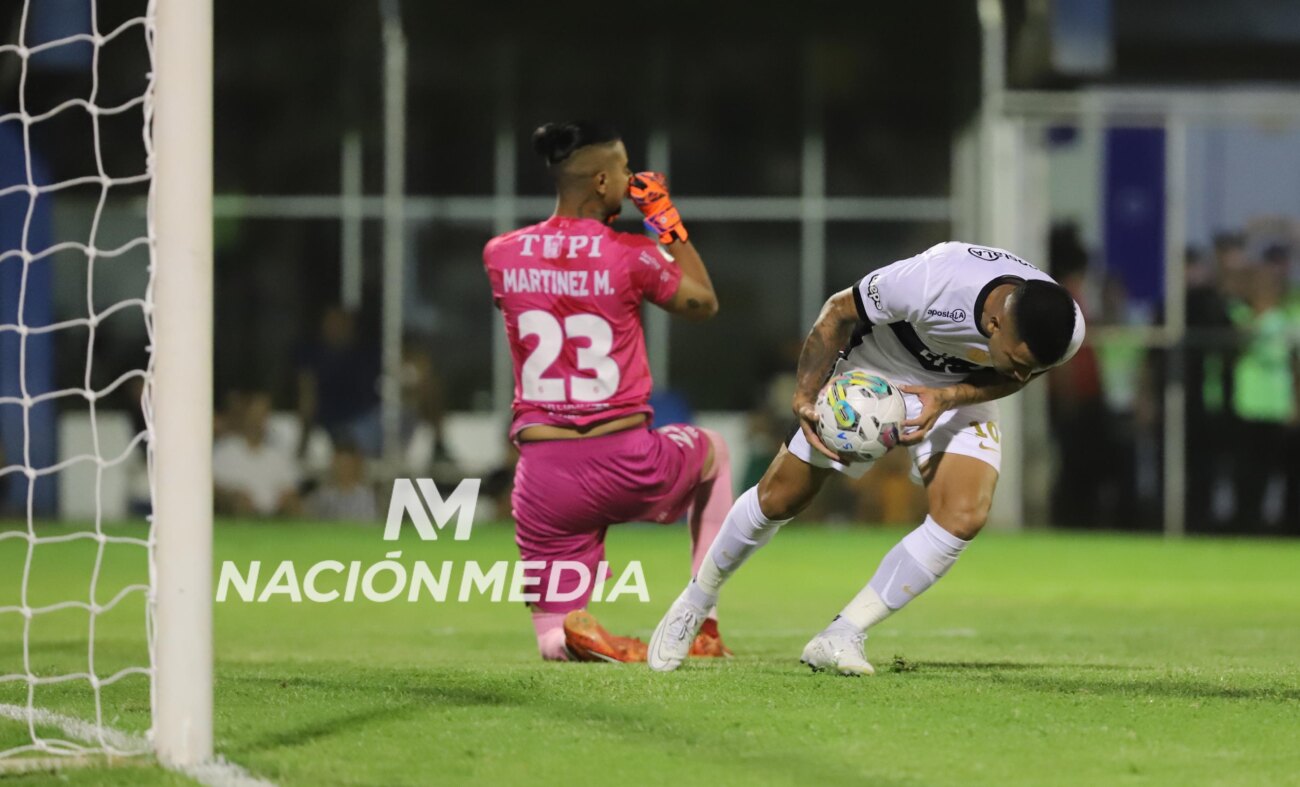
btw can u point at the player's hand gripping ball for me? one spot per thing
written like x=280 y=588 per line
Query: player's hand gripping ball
x=859 y=415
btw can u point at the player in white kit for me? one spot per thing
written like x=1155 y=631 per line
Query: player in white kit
x=955 y=327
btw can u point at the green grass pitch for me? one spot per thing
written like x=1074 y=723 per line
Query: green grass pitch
x=1041 y=659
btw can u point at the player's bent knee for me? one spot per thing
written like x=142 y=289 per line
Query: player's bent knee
x=772 y=500
x=964 y=518
x=779 y=498
x=788 y=486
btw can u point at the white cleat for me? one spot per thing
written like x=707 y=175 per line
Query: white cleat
x=671 y=642
x=839 y=651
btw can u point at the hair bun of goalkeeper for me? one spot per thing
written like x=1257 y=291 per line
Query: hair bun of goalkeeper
x=555 y=142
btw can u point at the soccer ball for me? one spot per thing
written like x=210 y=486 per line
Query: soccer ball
x=859 y=415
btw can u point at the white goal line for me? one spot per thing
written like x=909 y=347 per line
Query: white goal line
x=219 y=772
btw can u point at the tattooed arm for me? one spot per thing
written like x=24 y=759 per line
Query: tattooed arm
x=984 y=385
x=828 y=335
x=695 y=299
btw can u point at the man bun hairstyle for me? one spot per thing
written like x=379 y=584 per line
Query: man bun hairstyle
x=555 y=142
x=1044 y=314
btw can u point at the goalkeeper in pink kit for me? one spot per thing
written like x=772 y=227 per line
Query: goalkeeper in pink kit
x=570 y=291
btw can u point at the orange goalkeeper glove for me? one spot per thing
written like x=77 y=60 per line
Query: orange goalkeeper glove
x=649 y=192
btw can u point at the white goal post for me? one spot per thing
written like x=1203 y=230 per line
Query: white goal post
x=175 y=312
x=181 y=390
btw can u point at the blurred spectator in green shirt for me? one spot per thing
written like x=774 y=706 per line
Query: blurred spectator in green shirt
x=1264 y=389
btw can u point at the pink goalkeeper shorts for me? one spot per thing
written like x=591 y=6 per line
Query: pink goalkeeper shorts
x=567 y=492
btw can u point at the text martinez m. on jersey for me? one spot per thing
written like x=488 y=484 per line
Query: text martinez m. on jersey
x=570 y=292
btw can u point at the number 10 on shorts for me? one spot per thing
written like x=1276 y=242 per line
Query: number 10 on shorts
x=987 y=431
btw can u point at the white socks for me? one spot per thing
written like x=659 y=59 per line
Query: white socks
x=743 y=532
x=914 y=564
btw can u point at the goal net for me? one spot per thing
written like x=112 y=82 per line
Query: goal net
x=94 y=264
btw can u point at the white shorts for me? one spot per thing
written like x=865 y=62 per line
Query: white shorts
x=970 y=431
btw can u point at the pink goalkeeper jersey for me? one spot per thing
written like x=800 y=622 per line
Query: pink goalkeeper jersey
x=570 y=291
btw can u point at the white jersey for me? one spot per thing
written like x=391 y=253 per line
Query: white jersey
x=921 y=317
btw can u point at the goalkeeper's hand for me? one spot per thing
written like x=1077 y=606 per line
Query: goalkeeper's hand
x=649 y=192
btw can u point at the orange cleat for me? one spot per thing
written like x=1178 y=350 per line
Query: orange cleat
x=708 y=643
x=587 y=640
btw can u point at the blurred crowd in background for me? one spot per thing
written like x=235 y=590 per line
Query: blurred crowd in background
x=880 y=100
x=1238 y=369
x=318 y=463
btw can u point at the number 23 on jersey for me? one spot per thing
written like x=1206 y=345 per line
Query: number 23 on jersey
x=551 y=336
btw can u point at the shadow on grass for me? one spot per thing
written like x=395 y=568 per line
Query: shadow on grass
x=320 y=728
x=400 y=698
x=1171 y=687
x=1020 y=673
x=1003 y=666
x=405 y=694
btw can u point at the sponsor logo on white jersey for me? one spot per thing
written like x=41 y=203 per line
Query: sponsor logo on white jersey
x=992 y=255
x=873 y=291
x=956 y=315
